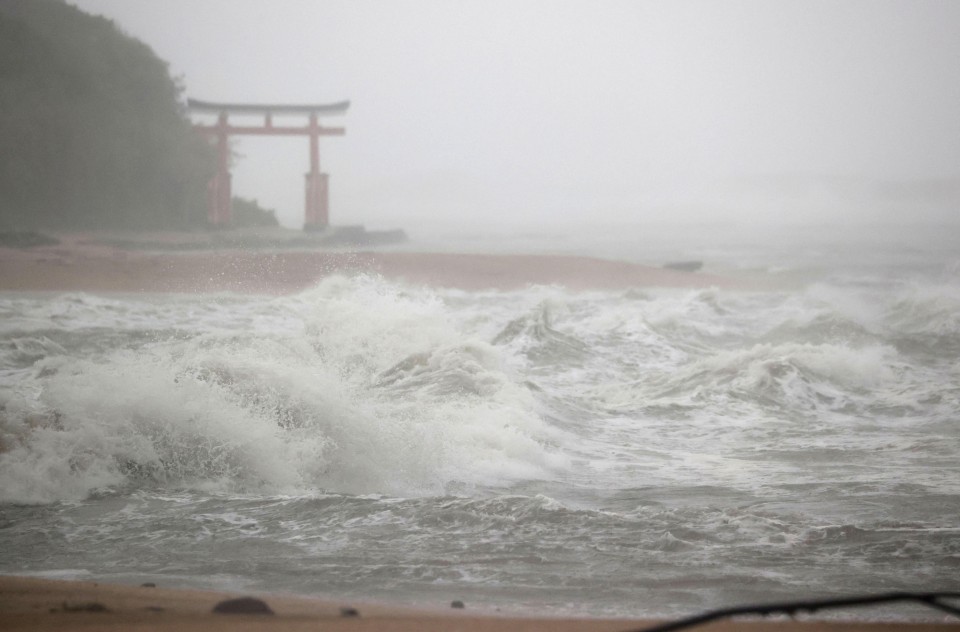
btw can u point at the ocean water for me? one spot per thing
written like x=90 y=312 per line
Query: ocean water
x=644 y=452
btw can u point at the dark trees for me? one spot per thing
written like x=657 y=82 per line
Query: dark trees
x=92 y=130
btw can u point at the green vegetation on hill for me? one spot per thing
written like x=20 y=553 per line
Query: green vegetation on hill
x=249 y=213
x=92 y=130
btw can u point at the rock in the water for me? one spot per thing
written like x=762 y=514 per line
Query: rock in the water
x=26 y=239
x=684 y=266
x=457 y=604
x=243 y=605
x=349 y=611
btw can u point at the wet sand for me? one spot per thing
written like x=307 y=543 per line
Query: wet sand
x=43 y=604
x=78 y=266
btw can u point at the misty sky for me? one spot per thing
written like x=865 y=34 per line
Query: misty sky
x=552 y=109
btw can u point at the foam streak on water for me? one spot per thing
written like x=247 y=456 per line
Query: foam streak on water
x=615 y=453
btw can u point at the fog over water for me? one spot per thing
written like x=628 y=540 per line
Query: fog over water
x=537 y=110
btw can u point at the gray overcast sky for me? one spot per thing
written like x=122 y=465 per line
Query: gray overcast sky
x=546 y=108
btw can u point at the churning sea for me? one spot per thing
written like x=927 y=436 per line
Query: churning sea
x=640 y=452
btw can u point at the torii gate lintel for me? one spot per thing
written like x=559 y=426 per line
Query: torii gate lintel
x=219 y=195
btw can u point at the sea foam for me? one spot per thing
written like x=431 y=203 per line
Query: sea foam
x=360 y=387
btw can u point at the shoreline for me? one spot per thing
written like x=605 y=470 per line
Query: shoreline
x=78 y=265
x=32 y=603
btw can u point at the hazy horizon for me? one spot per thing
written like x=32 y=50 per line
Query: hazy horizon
x=575 y=111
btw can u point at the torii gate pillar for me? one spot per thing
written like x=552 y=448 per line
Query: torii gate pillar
x=317 y=207
x=219 y=196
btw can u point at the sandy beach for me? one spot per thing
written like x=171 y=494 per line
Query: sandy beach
x=77 y=264
x=44 y=604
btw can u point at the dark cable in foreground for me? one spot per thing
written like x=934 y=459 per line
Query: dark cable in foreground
x=791 y=608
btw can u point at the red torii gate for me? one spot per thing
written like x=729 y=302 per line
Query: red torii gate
x=317 y=211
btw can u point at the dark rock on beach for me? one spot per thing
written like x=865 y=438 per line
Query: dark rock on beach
x=242 y=605
x=92 y=606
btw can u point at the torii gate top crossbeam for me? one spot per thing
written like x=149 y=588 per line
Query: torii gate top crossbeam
x=327 y=109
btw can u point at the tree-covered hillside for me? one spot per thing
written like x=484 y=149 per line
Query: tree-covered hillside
x=92 y=131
